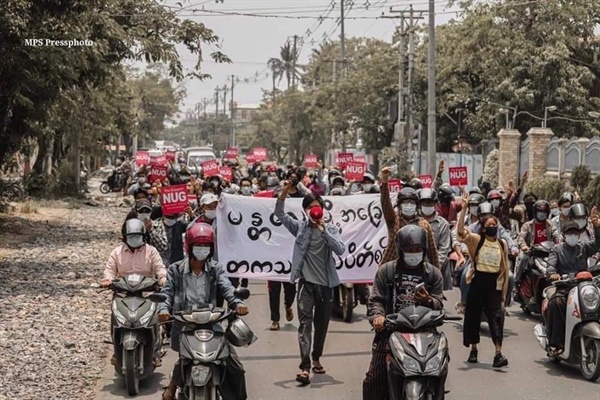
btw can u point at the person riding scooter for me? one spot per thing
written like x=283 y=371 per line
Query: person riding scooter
x=579 y=214
x=569 y=257
x=394 y=288
x=195 y=281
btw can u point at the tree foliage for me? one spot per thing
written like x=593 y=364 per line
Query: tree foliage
x=581 y=177
x=546 y=188
x=491 y=170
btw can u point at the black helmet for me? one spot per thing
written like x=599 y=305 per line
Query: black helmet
x=579 y=210
x=411 y=236
x=415 y=183
x=474 y=190
x=541 y=206
x=485 y=208
x=407 y=193
x=476 y=199
x=332 y=174
x=494 y=195
x=445 y=192
x=338 y=179
x=566 y=197
x=427 y=194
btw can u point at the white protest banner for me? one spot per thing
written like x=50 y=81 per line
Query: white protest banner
x=254 y=244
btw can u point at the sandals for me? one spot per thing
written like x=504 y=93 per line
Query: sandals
x=274 y=326
x=318 y=370
x=555 y=352
x=303 y=378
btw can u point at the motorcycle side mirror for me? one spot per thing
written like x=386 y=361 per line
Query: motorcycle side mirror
x=158 y=297
x=242 y=293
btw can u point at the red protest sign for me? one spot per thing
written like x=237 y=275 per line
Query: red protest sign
x=265 y=194
x=250 y=159
x=142 y=158
x=344 y=159
x=174 y=199
x=158 y=160
x=210 y=168
x=232 y=152
x=426 y=180
x=355 y=171
x=260 y=154
x=458 y=176
x=310 y=160
x=226 y=173
x=394 y=185
x=170 y=155
x=362 y=159
x=157 y=173
x=192 y=198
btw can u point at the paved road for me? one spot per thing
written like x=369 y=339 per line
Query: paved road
x=271 y=364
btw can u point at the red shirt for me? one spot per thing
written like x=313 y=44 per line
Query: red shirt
x=540 y=231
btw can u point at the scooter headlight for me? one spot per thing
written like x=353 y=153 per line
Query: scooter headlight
x=590 y=297
x=120 y=317
x=436 y=361
x=149 y=314
x=407 y=361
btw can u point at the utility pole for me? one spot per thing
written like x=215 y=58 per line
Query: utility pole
x=231 y=110
x=216 y=109
x=334 y=70
x=343 y=39
x=204 y=104
x=294 y=56
x=224 y=99
x=431 y=115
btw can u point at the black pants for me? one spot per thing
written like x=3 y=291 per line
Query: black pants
x=483 y=297
x=289 y=293
x=314 y=306
x=233 y=384
x=375 y=384
x=557 y=314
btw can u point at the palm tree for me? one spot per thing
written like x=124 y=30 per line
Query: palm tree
x=286 y=65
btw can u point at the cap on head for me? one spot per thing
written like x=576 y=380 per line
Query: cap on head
x=570 y=226
x=208 y=198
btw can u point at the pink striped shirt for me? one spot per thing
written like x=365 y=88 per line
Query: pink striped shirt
x=144 y=261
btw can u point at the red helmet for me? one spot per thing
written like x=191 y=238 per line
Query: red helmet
x=494 y=195
x=200 y=233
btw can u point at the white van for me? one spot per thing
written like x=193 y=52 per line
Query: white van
x=195 y=156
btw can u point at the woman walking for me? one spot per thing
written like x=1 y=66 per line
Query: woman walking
x=487 y=278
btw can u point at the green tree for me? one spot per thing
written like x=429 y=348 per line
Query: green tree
x=581 y=176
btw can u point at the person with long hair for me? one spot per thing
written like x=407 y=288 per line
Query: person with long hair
x=487 y=278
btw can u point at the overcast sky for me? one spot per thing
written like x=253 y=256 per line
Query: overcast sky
x=251 y=40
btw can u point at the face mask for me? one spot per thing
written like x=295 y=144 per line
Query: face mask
x=246 y=191
x=554 y=212
x=200 y=253
x=473 y=210
x=581 y=223
x=408 y=209
x=144 y=216
x=210 y=214
x=170 y=222
x=367 y=187
x=571 y=240
x=565 y=211
x=413 y=259
x=541 y=216
x=427 y=211
x=491 y=231
x=141 y=181
x=495 y=203
x=135 y=241
x=215 y=184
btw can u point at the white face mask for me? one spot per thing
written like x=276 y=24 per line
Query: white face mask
x=564 y=211
x=495 y=203
x=581 y=223
x=141 y=181
x=200 y=253
x=571 y=240
x=210 y=214
x=473 y=210
x=541 y=216
x=144 y=216
x=169 y=222
x=413 y=259
x=367 y=187
x=427 y=211
x=408 y=209
x=246 y=191
x=135 y=241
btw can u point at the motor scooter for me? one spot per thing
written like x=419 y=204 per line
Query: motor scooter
x=135 y=330
x=417 y=367
x=533 y=279
x=582 y=328
x=347 y=296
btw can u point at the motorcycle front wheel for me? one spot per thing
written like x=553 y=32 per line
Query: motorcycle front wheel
x=208 y=392
x=347 y=300
x=590 y=365
x=132 y=380
x=104 y=188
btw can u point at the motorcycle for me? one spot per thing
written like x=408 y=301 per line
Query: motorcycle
x=135 y=330
x=582 y=336
x=418 y=364
x=347 y=296
x=114 y=183
x=203 y=351
x=533 y=280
